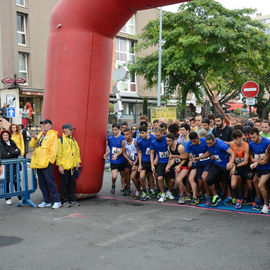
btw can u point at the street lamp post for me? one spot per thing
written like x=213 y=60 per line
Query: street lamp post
x=159 y=58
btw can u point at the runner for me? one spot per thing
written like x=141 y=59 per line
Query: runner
x=196 y=148
x=206 y=125
x=241 y=169
x=258 y=149
x=159 y=145
x=223 y=157
x=130 y=153
x=177 y=154
x=117 y=160
x=185 y=130
x=164 y=128
x=222 y=130
x=143 y=144
x=199 y=127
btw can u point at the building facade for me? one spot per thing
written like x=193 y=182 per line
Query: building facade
x=24 y=28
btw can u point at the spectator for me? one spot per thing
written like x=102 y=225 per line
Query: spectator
x=68 y=159
x=26 y=139
x=25 y=116
x=17 y=137
x=265 y=129
x=4 y=111
x=45 y=150
x=1 y=126
x=9 y=150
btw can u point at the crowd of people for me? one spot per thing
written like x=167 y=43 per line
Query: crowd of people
x=210 y=160
x=48 y=149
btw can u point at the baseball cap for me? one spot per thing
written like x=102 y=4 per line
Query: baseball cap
x=68 y=126
x=46 y=121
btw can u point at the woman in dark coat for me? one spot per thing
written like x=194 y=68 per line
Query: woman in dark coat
x=9 y=150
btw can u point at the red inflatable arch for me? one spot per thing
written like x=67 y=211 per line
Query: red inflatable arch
x=78 y=75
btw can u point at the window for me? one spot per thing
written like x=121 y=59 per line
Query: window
x=125 y=54
x=267 y=31
x=23 y=66
x=20 y=3
x=129 y=108
x=129 y=27
x=21 y=29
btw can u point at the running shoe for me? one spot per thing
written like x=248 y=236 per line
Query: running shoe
x=169 y=195
x=234 y=201
x=257 y=206
x=195 y=201
x=238 y=204
x=128 y=191
x=66 y=204
x=144 y=196
x=208 y=201
x=181 y=199
x=152 y=194
x=216 y=199
x=202 y=197
x=113 y=190
x=124 y=192
x=187 y=199
x=74 y=203
x=227 y=201
x=265 y=209
x=56 y=205
x=159 y=195
x=162 y=198
x=8 y=202
x=43 y=204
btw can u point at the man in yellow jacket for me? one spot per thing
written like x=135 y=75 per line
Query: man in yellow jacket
x=43 y=158
x=68 y=159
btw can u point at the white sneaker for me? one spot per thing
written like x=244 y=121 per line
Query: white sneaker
x=265 y=209
x=9 y=202
x=43 y=204
x=169 y=195
x=162 y=198
x=56 y=205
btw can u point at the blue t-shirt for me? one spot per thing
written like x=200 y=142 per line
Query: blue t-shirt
x=161 y=149
x=219 y=150
x=182 y=141
x=258 y=150
x=199 y=150
x=144 y=146
x=115 y=145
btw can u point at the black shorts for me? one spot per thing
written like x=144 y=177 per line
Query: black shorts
x=245 y=172
x=126 y=164
x=161 y=169
x=216 y=173
x=202 y=168
x=172 y=171
x=262 y=172
x=146 y=166
x=119 y=167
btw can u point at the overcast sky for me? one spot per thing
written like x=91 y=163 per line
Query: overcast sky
x=263 y=6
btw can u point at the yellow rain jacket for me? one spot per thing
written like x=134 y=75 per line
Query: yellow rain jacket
x=46 y=152
x=18 y=139
x=68 y=155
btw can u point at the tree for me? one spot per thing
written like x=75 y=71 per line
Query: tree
x=145 y=106
x=208 y=49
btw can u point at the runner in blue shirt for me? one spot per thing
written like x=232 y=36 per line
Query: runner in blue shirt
x=143 y=143
x=223 y=157
x=196 y=148
x=117 y=159
x=185 y=130
x=258 y=149
x=159 y=145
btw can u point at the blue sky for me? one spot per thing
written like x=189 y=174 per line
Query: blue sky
x=263 y=6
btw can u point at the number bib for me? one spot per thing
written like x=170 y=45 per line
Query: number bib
x=164 y=154
x=203 y=159
x=115 y=150
x=239 y=160
x=147 y=152
x=217 y=158
x=259 y=155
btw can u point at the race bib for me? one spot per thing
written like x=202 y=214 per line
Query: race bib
x=259 y=156
x=239 y=160
x=203 y=159
x=131 y=156
x=164 y=154
x=147 y=152
x=115 y=150
x=217 y=158
x=177 y=160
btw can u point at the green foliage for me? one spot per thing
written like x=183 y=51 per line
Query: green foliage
x=237 y=111
x=145 y=106
x=208 y=49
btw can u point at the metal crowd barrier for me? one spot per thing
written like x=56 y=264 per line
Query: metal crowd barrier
x=16 y=171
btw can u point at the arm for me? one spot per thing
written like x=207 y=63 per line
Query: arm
x=107 y=154
x=152 y=155
x=232 y=159
x=262 y=161
x=33 y=142
x=216 y=101
x=140 y=160
x=53 y=148
x=22 y=144
x=59 y=161
x=205 y=155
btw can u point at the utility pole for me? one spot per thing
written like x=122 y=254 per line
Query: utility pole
x=159 y=58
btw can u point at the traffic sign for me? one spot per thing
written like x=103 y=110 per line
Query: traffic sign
x=250 y=89
x=20 y=80
x=10 y=112
x=250 y=101
x=8 y=81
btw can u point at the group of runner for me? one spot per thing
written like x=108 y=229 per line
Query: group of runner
x=198 y=160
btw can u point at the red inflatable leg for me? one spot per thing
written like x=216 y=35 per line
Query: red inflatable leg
x=78 y=76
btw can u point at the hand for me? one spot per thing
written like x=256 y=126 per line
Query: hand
x=153 y=169
x=254 y=165
x=114 y=157
x=216 y=99
x=155 y=161
x=140 y=168
x=167 y=169
x=106 y=156
x=196 y=159
x=35 y=137
x=229 y=166
x=61 y=170
x=177 y=169
x=213 y=157
x=172 y=157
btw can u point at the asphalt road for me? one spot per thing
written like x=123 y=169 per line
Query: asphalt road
x=113 y=234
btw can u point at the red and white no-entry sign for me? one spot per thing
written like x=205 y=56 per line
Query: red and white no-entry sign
x=250 y=89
